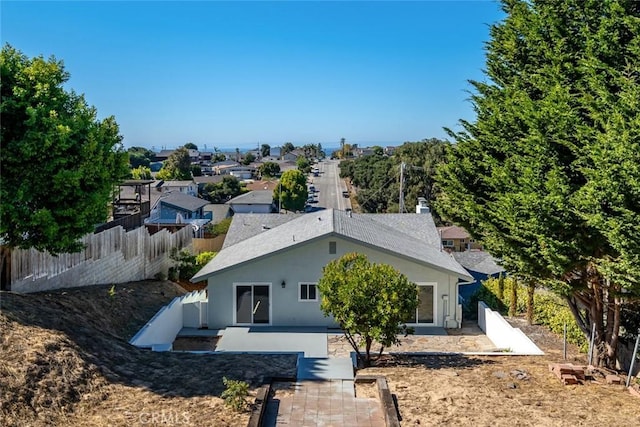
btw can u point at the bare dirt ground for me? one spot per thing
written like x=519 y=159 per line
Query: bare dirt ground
x=503 y=390
x=65 y=360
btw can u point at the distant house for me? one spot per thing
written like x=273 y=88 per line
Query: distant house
x=268 y=270
x=242 y=172
x=259 y=201
x=201 y=181
x=186 y=187
x=162 y=155
x=457 y=239
x=293 y=156
x=177 y=210
x=222 y=168
x=481 y=265
x=261 y=185
x=219 y=211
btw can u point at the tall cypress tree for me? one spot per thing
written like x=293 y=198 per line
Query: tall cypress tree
x=548 y=175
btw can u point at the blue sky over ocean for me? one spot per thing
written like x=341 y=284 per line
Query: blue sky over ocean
x=238 y=74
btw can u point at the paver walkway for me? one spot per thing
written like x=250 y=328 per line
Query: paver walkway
x=321 y=403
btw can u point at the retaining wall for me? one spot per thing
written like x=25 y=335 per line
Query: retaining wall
x=502 y=334
x=161 y=330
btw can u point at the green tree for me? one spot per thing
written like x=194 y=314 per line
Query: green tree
x=224 y=191
x=291 y=193
x=140 y=156
x=177 y=166
x=191 y=146
x=269 y=169
x=248 y=159
x=548 y=175
x=370 y=302
x=196 y=170
x=59 y=161
x=141 y=172
x=265 y=150
x=304 y=165
x=287 y=148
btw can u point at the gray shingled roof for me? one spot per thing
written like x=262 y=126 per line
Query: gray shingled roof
x=257 y=197
x=244 y=226
x=360 y=228
x=184 y=201
x=479 y=261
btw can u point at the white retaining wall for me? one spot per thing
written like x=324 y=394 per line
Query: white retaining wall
x=502 y=334
x=161 y=330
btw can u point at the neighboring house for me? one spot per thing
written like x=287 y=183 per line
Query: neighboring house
x=457 y=239
x=219 y=211
x=293 y=156
x=259 y=201
x=274 y=152
x=268 y=274
x=162 y=155
x=201 y=181
x=261 y=185
x=481 y=265
x=177 y=210
x=187 y=187
x=222 y=168
x=242 y=172
x=389 y=150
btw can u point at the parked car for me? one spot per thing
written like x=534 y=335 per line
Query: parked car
x=345 y=193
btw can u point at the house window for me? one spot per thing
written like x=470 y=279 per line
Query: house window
x=332 y=248
x=308 y=292
x=447 y=243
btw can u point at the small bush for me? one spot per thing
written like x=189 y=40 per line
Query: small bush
x=185 y=266
x=235 y=394
x=203 y=258
x=220 y=228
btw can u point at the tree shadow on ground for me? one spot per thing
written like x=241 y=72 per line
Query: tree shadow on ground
x=439 y=361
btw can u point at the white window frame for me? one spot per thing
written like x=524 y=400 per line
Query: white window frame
x=435 y=304
x=448 y=243
x=300 y=299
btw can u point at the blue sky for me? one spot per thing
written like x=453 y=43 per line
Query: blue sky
x=239 y=74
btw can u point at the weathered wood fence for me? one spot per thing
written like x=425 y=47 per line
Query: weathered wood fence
x=111 y=256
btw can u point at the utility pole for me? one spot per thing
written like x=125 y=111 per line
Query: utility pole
x=401 y=201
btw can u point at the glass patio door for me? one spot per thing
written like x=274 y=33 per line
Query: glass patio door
x=425 y=311
x=252 y=304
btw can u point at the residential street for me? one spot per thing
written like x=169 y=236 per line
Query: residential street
x=329 y=187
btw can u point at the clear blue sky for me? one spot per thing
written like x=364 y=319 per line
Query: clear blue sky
x=235 y=74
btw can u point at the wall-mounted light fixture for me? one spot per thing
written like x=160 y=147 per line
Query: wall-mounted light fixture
x=283 y=284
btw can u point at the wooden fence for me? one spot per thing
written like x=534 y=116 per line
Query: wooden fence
x=33 y=264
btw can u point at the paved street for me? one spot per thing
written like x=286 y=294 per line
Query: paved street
x=329 y=187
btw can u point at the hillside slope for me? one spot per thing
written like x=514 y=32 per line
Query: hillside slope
x=66 y=360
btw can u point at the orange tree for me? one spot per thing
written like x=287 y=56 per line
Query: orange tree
x=369 y=301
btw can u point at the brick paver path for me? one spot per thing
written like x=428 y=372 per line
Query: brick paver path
x=321 y=403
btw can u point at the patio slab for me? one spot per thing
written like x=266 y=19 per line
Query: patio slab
x=256 y=340
x=316 y=368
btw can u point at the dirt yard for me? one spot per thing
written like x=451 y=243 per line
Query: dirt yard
x=66 y=361
x=503 y=390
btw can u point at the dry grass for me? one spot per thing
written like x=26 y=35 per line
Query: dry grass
x=66 y=361
x=487 y=391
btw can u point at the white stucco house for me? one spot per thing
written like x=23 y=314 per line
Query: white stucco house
x=268 y=268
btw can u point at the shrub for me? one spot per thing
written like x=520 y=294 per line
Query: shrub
x=203 y=258
x=220 y=228
x=235 y=394
x=551 y=311
x=185 y=265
